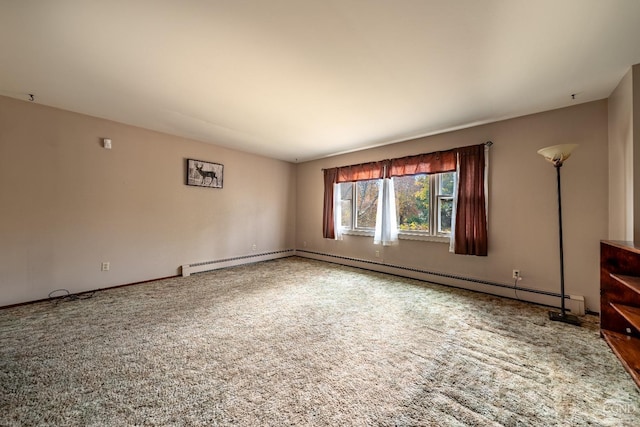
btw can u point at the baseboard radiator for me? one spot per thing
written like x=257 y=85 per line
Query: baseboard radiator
x=200 y=267
x=574 y=303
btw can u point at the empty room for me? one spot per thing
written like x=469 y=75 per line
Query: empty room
x=320 y=213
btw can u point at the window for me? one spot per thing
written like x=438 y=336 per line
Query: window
x=428 y=209
x=446 y=183
x=346 y=204
x=360 y=197
x=424 y=204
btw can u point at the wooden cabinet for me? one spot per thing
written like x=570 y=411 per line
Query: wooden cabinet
x=620 y=302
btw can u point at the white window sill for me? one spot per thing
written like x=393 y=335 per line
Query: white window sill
x=403 y=235
x=358 y=233
x=417 y=236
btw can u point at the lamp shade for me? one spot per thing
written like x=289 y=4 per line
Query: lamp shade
x=557 y=154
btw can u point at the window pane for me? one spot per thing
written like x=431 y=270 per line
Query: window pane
x=346 y=205
x=446 y=182
x=366 y=203
x=412 y=202
x=444 y=215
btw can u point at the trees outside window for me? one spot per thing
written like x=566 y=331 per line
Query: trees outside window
x=424 y=204
x=446 y=186
x=346 y=204
x=366 y=204
x=413 y=202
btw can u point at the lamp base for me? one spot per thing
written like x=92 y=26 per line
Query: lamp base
x=565 y=318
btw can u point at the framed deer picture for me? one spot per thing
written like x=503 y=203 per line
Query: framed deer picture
x=204 y=174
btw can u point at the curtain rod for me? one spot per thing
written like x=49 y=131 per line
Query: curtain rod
x=487 y=144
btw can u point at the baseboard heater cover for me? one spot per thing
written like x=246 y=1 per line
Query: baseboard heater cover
x=200 y=267
x=574 y=303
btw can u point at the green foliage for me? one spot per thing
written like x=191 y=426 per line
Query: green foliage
x=447 y=181
x=412 y=202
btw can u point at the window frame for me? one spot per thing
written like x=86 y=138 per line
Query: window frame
x=354 y=201
x=439 y=198
x=434 y=233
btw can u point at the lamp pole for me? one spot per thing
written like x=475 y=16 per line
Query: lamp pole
x=556 y=155
x=562 y=307
x=562 y=316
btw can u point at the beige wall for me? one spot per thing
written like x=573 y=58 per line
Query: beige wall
x=621 y=160
x=523 y=222
x=624 y=158
x=67 y=204
x=635 y=71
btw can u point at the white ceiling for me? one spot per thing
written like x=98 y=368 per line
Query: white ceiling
x=303 y=79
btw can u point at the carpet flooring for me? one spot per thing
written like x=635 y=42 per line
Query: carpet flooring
x=302 y=342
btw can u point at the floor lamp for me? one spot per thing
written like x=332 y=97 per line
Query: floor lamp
x=557 y=155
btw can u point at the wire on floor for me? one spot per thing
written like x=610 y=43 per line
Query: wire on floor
x=67 y=296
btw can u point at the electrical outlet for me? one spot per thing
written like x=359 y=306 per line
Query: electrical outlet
x=516 y=274
x=105 y=266
x=254 y=247
x=304 y=244
x=377 y=254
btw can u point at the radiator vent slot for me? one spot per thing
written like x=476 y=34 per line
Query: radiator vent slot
x=200 y=267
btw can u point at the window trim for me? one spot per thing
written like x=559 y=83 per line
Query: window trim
x=354 y=204
x=433 y=235
x=437 y=198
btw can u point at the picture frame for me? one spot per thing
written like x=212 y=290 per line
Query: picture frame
x=201 y=173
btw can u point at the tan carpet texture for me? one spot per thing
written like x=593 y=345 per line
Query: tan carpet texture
x=301 y=342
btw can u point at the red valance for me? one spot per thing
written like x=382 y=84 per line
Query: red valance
x=429 y=163
x=361 y=172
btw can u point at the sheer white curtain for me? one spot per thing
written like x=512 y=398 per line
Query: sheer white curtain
x=386 y=219
x=337 y=211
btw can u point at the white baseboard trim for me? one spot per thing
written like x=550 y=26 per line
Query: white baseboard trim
x=199 y=267
x=574 y=303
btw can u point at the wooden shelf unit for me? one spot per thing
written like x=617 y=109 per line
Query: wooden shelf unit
x=620 y=302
